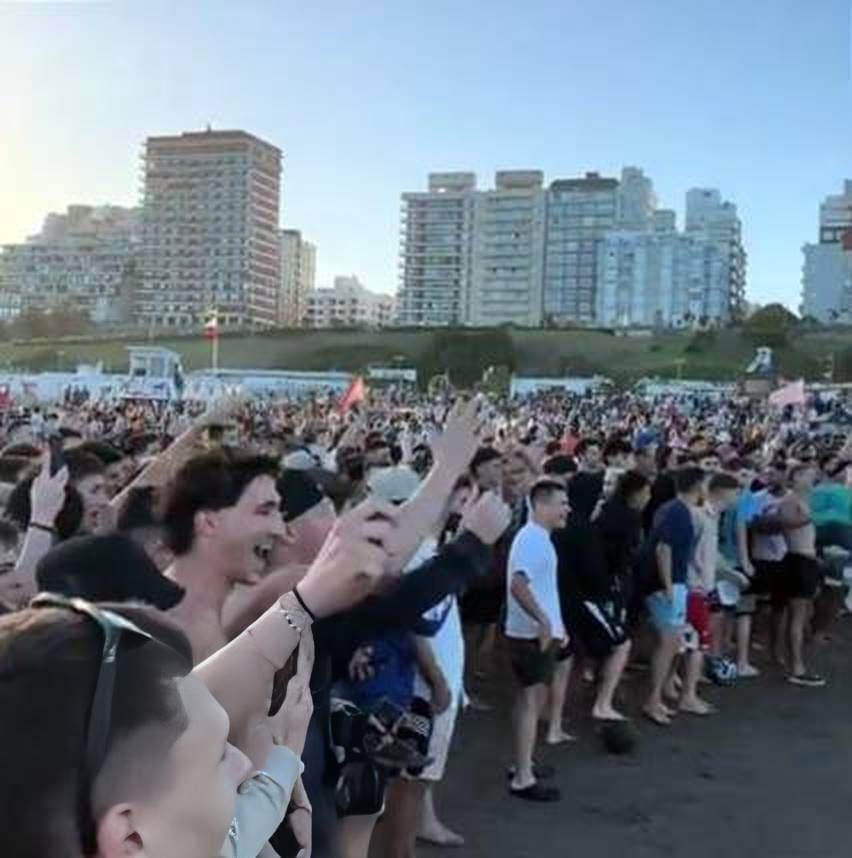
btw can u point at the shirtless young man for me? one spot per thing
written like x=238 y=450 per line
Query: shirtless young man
x=222 y=508
x=801 y=571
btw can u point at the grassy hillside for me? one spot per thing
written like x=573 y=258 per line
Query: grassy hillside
x=715 y=355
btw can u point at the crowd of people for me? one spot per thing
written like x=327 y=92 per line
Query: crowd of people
x=249 y=628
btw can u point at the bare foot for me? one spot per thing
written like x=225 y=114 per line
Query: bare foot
x=672 y=689
x=607 y=713
x=560 y=737
x=658 y=714
x=440 y=835
x=697 y=706
x=667 y=710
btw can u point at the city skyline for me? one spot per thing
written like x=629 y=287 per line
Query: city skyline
x=363 y=106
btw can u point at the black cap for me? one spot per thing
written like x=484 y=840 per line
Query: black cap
x=112 y=568
x=299 y=493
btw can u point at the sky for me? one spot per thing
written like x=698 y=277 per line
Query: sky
x=366 y=98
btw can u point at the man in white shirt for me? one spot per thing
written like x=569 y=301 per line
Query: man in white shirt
x=534 y=626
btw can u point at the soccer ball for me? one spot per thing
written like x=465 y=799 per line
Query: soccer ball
x=619 y=737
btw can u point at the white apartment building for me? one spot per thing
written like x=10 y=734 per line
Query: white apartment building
x=298 y=278
x=662 y=278
x=716 y=220
x=83 y=259
x=508 y=251
x=637 y=200
x=349 y=304
x=210 y=230
x=827 y=272
x=435 y=251
x=525 y=255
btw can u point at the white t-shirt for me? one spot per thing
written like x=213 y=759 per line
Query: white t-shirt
x=533 y=554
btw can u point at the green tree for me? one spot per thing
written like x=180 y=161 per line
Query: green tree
x=464 y=354
x=771 y=326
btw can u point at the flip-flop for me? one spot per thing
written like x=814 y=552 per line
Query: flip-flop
x=711 y=711
x=536 y=792
x=541 y=772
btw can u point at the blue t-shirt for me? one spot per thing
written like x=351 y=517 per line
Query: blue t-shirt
x=748 y=507
x=394 y=665
x=673 y=526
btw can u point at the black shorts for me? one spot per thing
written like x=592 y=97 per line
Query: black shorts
x=594 y=631
x=531 y=665
x=802 y=576
x=767 y=577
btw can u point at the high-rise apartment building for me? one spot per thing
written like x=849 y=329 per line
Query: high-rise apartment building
x=593 y=250
x=85 y=259
x=661 y=278
x=827 y=272
x=210 y=230
x=508 y=251
x=435 y=251
x=579 y=213
x=349 y=304
x=298 y=277
x=716 y=220
x=637 y=201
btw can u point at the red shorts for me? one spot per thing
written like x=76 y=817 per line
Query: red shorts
x=698 y=616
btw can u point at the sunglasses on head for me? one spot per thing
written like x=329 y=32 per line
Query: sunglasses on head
x=114 y=628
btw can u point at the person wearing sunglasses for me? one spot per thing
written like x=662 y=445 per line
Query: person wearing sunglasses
x=113 y=746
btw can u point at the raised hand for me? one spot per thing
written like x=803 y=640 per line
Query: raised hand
x=47 y=495
x=487 y=517
x=353 y=559
x=463 y=428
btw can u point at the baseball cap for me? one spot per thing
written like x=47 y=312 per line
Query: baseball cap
x=299 y=493
x=299 y=460
x=396 y=484
x=111 y=568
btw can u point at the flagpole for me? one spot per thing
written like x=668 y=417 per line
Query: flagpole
x=214 y=357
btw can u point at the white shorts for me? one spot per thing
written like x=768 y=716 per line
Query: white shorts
x=439 y=745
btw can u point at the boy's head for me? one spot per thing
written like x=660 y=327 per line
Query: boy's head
x=163 y=781
x=549 y=502
x=689 y=483
x=224 y=504
x=722 y=491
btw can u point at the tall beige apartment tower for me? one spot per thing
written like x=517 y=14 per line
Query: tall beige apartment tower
x=210 y=237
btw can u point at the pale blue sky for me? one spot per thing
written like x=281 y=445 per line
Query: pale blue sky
x=365 y=98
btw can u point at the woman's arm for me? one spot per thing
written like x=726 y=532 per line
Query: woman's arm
x=47 y=497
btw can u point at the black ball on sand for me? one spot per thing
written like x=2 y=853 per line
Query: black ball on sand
x=619 y=737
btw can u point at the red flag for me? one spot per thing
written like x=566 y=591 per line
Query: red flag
x=211 y=327
x=356 y=392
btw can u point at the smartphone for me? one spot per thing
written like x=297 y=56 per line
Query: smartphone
x=57 y=456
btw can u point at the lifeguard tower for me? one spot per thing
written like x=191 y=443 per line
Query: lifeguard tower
x=154 y=373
